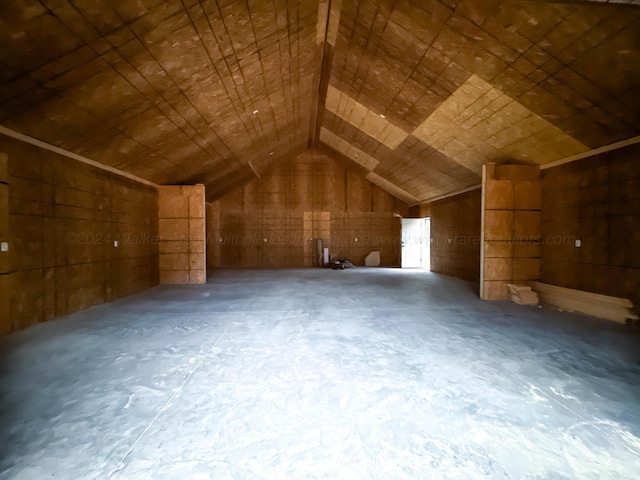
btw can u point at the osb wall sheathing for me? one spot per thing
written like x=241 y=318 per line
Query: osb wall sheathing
x=5 y=323
x=511 y=228
x=181 y=226
x=64 y=217
x=272 y=221
x=596 y=201
x=455 y=230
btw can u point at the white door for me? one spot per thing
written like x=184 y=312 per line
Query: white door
x=426 y=244
x=412 y=242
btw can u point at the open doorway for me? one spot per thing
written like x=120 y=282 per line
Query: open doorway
x=426 y=243
x=416 y=243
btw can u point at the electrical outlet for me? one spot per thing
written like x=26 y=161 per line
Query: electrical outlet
x=578 y=243
x=4 y=246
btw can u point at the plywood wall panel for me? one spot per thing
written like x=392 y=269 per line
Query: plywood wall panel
x=455 y=230
x=604 y=215
x=63 y=217
x=511 y=228
x=317 y=197
x=181 y=230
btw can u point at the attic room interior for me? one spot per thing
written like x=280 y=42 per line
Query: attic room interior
x=183 y=183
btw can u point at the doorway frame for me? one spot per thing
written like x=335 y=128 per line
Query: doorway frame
x=424 y=237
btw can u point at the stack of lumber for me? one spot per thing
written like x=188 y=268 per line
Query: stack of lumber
x=602 y=306
x=522 y=294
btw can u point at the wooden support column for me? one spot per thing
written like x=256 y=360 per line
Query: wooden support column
x=181 y=228
x=510 y=250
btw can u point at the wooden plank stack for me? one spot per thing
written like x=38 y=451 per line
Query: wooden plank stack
x=616 y=309
x=522 y=294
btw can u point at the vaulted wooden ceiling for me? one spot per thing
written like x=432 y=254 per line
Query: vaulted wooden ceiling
x=419 y=93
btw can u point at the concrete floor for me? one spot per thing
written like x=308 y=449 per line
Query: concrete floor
x=362 y=373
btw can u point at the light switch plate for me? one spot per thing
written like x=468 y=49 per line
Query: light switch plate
x=578 y=243
x=4 y=246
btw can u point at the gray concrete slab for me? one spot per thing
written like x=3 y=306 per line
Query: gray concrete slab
x=312 y=373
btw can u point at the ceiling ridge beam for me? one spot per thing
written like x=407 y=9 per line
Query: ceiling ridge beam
x=327 y=40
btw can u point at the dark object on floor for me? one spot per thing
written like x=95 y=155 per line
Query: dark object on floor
x=340 y=264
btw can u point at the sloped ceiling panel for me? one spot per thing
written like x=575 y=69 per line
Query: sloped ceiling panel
x=418 y=93
x=172 y=91
x=427 y=91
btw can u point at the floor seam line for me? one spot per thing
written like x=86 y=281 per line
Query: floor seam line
x=120 y=465
x=558 y=402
